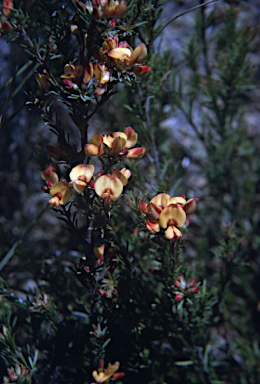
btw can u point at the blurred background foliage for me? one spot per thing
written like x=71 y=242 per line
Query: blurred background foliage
x=197 y=114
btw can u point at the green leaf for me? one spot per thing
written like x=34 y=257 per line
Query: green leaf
x=184 y=363
x=106 y=343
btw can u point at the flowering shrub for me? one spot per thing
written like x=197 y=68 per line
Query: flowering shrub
x=134 y=279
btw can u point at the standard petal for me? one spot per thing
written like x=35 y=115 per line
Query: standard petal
x=162 y=199
x=83 y=172
x=108 y=184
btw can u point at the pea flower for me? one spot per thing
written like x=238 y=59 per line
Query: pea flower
x=72 y=75
x=123 y=175
x=105 y=8
x=109 y=187
x=102 y=76
x=6 y=10
x=127 y=59
x=80 y=176
x=184 y=287
x=7 y=6
x=61 y=192
x=104 y=375
x=122 y=57
x=168 y=213
x=115 y=144
x=95 y=147
x=50 y=174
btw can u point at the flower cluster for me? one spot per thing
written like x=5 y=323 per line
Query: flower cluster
x=109 y=187
x=116 y=144
x=104 y=375
x=105 y=8
x=167 y=212
x=18 y=373
x=6 y=10
x=184 y=287
x=111 y=56
x=120 y=57
x=108 y=287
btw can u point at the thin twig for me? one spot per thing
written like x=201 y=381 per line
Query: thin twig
x=25 y=35
x=154 y=148
x=183 y=13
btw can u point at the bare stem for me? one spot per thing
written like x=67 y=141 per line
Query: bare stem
x=25 y=35
x=183 y=13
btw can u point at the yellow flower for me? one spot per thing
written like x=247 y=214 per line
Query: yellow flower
x=116 y=144
x=109 y=187
x=50 y=174
x=127 y=59
x=72 y=73
x=122 y=174
x=168 y=213
x=102 y=77
x=61 y=193
x=80 y=176
x=103 y=376
x=95 y=147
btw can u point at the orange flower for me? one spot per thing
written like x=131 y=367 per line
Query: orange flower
x=50 y=174
x=72 y=73
x=122 y=174
x=127 y=59
x=168 y=213
x=80 y=176
x=103 y=376
x=96 y=146
x=109 y=187
x=102 y=77
x=7 y=6
x=61 y=193
x=108 y=8
x=116 y=144
x=122 y=57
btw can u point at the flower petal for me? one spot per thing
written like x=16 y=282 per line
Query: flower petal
x=108 y=184
x=172 y=233
x=139 y=54
x=162 y=199
x=172 y=215
x=131 y=137
x=83 y=172
x=120 y=53
x=190 y=206
x=152 y=227
x=136 y=153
